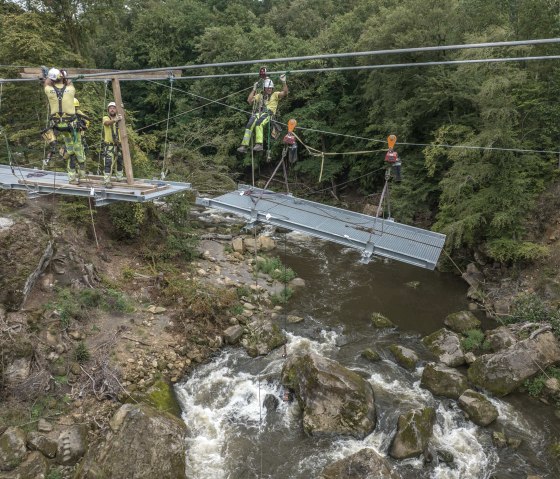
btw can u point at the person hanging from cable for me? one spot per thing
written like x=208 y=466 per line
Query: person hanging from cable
x=82 y=124
x=392 y=158
x=63 y=123
x=112 y=151
x=265 y=105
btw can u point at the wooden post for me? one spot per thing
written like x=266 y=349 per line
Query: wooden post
x=122 y=130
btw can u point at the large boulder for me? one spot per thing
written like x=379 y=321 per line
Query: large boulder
x=12 y=448
x=504 y=371
x=364 y=464
x=446 y=345
x=143 y=443
x=407 y=358
x=462 y=322
x=414 y=430
x=334 y=399
x=25 y=250
x=233 y=334
x=262 y=337
x=479 y=409
x=500 y=338
x=442 y=380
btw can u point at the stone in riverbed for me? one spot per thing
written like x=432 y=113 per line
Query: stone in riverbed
x=446 y=345
x=479 y=409
x=407 y=358
x=364 y=464
x=414 y=430
x=444 y=381
x=462 y=322
x=381 y=322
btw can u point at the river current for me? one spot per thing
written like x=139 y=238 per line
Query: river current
x=232 y=435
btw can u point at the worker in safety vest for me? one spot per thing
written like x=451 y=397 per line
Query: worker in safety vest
x=63 y=123
x=82 y=124
x=112 y=150
x=393 y=161
x=264 y=106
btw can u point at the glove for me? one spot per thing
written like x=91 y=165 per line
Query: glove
x=256 y=86
x=283 y=78
x=119 y=117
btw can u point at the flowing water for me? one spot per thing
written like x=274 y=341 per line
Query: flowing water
x=233 y=436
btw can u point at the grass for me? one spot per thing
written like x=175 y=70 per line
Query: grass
x=535 y=385
x=275 y=269
x=473 y=340
x=81 y=353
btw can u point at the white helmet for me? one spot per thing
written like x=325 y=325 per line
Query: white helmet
x=112 y=104
x=54 y=74
x=268 y=83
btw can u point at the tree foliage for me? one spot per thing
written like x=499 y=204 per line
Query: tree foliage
x=477 y=196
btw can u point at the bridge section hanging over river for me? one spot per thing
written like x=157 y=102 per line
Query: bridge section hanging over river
x=370 y=235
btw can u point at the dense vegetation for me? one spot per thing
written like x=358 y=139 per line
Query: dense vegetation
x=480 y=198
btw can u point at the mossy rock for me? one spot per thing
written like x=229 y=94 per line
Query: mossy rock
x=414 y=431
x=381 y=322
x=404 y=356
x=161 y=397
x=371 y=355
x=462 y=321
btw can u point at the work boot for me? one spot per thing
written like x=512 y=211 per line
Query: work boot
x=120 y=177
x=107 y=181
x=72 y=180
x=242 y=149
x=258 y=147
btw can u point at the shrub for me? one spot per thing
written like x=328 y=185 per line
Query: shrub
x=528 y=307
x=511 y=251
x=474 y=340
x=535 y=385
x=81 y=353
x=275 y=269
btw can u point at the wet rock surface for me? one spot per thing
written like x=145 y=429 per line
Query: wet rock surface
x=364 y=464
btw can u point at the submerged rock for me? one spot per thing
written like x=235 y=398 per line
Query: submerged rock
x=334 y=399
x=504 y=371
x=379 y=321
x=370 y=355
x=414 y=431
x=364 y=464
x=143 y=444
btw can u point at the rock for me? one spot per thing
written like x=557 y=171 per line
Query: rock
x=499 y=439
x=414 y=431
x=407 y=358
x=473 y=306
x=233 y=334
x=46 y=282
x=462 y=322
x=472 y=275
x=379 y=321
x=333 y=399
x=444 y=381
x=502 y=306
x=292 y=319
x=479 y=409
x=470 y=357
x=445 y=456
x=72 y=445
x=35 y=466
x=44 y=426
x=271 y=402
x=446 y=345
x=42 y=443
x=297 y=283
x=143 y=443
x=262 y=337
x=513 y=442
x=504 y=371
x=265 y=243
x=237 y=245
x=17 y=372
x=156 y=309
x=12 y=448
x=371 y=355
x=500 y=338
x=364 y=464
x=25 y=251
x=413 y=284
x=552 y=388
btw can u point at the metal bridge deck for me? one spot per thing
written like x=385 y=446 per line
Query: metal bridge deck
x=370 y=235
x=37 y=182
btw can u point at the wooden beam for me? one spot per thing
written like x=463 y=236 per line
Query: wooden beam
x=122 y=130
x=74 y=72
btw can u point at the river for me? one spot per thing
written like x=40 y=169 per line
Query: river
x=233 y=436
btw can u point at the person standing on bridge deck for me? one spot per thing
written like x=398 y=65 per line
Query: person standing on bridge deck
x=82 y=124
x=63 y=122
x=112 y=151
x=264 y=107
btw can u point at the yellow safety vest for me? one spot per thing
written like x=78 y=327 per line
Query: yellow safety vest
x=61 y=99
x=272 y=103
x=111 y=133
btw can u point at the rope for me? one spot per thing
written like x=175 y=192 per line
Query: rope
x=93 y=222
x=167 y=126
x=102 y=129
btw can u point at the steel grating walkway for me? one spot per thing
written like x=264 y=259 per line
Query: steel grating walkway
x=372 y=236
x=37 y=182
